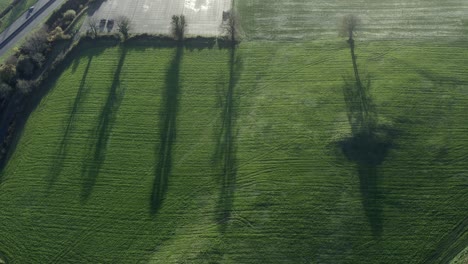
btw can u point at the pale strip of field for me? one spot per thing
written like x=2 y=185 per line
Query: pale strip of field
x=204 y=17
x=305 y=19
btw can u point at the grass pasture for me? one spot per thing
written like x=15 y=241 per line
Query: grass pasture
x=168 y=155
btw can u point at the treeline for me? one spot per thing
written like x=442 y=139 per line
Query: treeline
x=18 y=71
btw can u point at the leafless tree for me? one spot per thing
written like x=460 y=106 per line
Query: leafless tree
x=349 y=26
x=93 y=26
x=179 y=24
x=231 y=26
x=348 y=29
x=124 y=26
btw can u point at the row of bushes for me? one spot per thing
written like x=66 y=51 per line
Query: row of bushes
x=63 y=16
x=18 y=70
x=23 y=71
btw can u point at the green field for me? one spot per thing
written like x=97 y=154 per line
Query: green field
x=176 y=155
x=80 y=183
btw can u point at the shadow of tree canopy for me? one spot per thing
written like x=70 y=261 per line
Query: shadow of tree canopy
x=368 y=151
x=106 y=119
x=225 y=153
x=61 y=152
x=368 y=145
x=168 y=117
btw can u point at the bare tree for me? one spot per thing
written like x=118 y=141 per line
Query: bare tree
x=179 y=24
x=124 y=26
x=93 y=26
x=349 y=26
x=348 y=29
x=231 y=26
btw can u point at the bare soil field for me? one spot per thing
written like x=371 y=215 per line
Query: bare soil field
x=204 y=17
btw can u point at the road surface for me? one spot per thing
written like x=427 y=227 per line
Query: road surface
x=26 y=23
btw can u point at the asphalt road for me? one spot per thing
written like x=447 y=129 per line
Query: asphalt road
x=204 y=17
x=25 y=24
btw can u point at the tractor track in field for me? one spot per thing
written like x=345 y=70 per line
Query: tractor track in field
x=286 y=74
x=83 y=235
x=451 y=244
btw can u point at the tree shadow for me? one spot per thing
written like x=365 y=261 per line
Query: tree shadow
x=97 y=152
x=167 y=130
x=61 y=152
x=15 y=115
x=368 y=151
x=368 y=145
x=225 y=153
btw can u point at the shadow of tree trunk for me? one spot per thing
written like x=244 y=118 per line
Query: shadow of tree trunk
x=368 y=145
x=370 y=194
x=61 y=152
x=226 y=148
x=167 y=130
x=97 y=152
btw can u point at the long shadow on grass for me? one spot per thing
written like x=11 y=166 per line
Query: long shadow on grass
x=226 y=148
x=167 y=130
x=368 y=151
x=97 y=152
x=61 y=153
x=368 y=145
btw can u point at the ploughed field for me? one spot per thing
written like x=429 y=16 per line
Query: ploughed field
x=318 y=19
x=168 y=154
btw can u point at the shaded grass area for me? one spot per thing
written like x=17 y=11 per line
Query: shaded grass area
x=168 y=117
x=61 y=154
x=239 y=149
x=103 y=129
x=369 y=143
x=226 y=149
